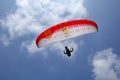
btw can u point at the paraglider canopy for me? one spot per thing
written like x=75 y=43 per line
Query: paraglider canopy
x=66 y=30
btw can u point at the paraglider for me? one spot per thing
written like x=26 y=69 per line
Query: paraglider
x=66 y=30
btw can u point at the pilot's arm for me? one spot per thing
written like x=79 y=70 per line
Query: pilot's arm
x=71 y=50
x=64 y=52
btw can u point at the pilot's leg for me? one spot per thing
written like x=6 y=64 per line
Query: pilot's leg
x=68 y=54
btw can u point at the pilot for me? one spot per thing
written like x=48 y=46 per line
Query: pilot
x=68 y=51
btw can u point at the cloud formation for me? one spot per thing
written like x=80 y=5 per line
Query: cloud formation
x=32 y=17
x=106 y=65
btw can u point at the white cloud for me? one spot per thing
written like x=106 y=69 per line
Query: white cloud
x=4 y=40
x=31 y=48
x=33 y=16
x=106 y=65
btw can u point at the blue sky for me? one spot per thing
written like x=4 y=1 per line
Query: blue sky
x=96 y=56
